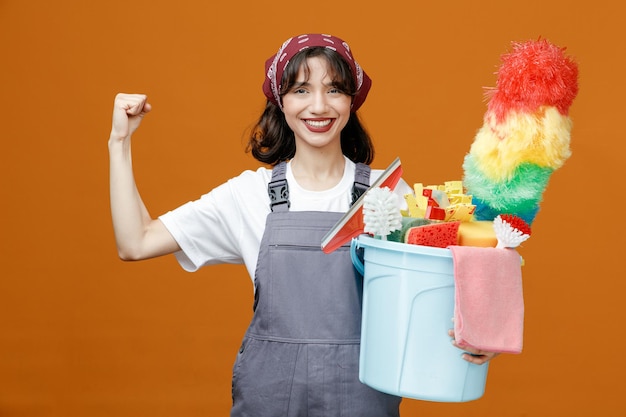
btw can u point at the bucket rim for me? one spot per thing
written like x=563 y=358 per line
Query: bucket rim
x=365 y=240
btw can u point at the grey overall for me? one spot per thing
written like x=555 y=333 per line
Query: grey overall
x=300 y=354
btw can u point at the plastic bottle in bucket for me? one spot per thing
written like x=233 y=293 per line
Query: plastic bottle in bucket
x=408 y=306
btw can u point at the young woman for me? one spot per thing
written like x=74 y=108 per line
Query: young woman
x=299 y=356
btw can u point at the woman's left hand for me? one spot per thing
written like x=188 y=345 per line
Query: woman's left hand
x=472 y=355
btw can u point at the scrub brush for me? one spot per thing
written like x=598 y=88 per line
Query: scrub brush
x=381 y=213
x=510 y=230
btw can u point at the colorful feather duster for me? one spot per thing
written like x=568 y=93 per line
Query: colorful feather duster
x=526 y=131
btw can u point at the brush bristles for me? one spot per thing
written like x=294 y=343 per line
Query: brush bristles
x=507 y=234
x=381 y=214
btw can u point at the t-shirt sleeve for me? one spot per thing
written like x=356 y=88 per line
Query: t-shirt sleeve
x=209 y=230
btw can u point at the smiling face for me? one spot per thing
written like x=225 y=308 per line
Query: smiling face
x=315 y=108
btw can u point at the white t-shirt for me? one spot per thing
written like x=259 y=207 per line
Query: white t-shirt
x=226 y=225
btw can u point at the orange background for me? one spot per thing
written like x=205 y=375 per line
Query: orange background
x=84 y=334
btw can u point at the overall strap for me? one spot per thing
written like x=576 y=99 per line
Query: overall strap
x=278 y=189
x=361 y=181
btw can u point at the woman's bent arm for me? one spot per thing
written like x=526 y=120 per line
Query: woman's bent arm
x=137 y=234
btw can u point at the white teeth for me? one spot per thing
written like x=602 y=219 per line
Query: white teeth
x=318 y=123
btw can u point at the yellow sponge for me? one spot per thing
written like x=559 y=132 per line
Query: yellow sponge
x=477 y=233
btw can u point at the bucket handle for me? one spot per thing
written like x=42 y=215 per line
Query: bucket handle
x=356 y=261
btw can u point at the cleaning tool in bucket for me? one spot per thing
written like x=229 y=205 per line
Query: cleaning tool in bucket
x=351 y=223
x=510 y=230
x=525 y=135
x=381 y=216
x=408 y=306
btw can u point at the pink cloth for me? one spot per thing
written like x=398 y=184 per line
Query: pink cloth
x=489 y=303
